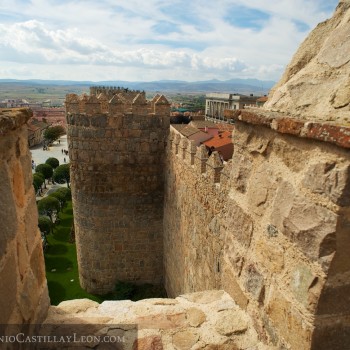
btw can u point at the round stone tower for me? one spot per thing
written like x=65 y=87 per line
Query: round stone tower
x=117 y=152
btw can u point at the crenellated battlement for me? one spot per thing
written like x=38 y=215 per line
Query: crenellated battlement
x=189 y=154
x=119 y=103
x=110 y=91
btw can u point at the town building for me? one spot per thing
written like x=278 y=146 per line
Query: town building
x=36 y=129
x=216 y=103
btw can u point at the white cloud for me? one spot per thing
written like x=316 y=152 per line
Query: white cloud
x=117 y=37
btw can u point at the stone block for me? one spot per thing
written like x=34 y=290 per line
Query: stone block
x=230 y=285
x=28 y=296
x=304 y=284
x=288 y=322
x=241 y=172
x=331 y=180
x=206 y=297
x=289 y=154
x=195 y=317
x=261 y=187
x=162 y=320
x=239 y=225
x=309 y=225
x=254 y=282
x=231 y=322
x=151 y=342
x=270 y=254
x=8 y=286
x=8 y=210
x=184 y=340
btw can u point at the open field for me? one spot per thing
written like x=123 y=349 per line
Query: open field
x=39 y=93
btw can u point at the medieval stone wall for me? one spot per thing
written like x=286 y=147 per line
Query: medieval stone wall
x=23 y=289
x=270 y=227
x=117 y=153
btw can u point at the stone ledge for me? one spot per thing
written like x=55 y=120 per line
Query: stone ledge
x=13 y=118
x=284 y=124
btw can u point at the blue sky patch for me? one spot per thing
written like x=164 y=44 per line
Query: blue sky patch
x=164 y=27
x=244 y=17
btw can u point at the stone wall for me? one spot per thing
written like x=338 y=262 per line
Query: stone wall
x=23 y=288
x=270 y=227
x=117 y=149
x=208 y=320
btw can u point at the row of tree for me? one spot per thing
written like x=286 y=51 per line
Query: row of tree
x=52 y=204
x=51 y=170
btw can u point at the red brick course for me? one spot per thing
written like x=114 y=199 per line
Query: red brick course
x=284 y=124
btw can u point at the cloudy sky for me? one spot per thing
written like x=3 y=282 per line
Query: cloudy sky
x=138 y=40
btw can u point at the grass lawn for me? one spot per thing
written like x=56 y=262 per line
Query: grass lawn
x=61 y=263
x=62 y=270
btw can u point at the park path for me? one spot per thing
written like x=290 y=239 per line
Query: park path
x=39 y=155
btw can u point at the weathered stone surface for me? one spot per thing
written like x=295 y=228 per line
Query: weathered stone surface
x=254 y=282
x=330 y=180
x=241 y=171
x=291 y=156
x=270 y=255
x=8 y=287
x=206 y=297
x=288 y=322
x=148 y=343
x=309 y=225
x=163 y=321
x=303 y=280
x=76 y=306
x=230 y=285
x=229 y=322
x=195 y=317
x=315 y=83
x=184 y=340
x=241 y=225
x=23 y=289
x=7 y=210
x=261 y=188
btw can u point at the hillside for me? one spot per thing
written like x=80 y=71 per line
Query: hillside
x=39 y=90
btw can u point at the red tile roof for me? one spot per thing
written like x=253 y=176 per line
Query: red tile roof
x=218 y=141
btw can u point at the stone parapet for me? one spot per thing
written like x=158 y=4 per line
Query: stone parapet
x=23 y=289
x=322 y=131
x=121 y=102
x=204 y=320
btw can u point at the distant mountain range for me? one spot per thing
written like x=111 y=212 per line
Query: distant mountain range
x=243 y=86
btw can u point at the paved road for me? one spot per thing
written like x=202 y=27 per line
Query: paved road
x=39 y=155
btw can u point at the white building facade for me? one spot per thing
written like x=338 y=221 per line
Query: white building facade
x=216 y=103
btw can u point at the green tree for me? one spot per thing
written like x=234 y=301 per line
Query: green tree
x=53 y=133
x=60 y=196
x=45 y=169
x=38 y=180
x=61 y=174
x=66 y=192
x=45 y=224
x=49 y=206
x=54 y=162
